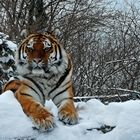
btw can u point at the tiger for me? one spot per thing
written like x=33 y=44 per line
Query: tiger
x=44 y=72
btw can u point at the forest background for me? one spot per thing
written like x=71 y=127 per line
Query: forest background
x=103 y=38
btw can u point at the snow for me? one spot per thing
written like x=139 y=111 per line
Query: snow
x=5 y=59
x=3 y=38
x=11 y=45
x=92 y=115
x=1 y=41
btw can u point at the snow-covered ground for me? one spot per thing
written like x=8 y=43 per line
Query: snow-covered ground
x=92 y=115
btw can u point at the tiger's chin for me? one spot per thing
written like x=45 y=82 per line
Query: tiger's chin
x=38 y=72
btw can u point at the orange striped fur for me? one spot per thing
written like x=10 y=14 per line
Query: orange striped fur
x=44 y=72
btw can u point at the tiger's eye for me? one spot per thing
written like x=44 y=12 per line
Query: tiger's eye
x=47 y=49
x=30 y=49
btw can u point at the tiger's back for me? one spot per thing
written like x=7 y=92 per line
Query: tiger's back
x=44 y=72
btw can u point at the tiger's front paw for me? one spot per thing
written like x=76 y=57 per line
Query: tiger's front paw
x=68 y=115
x=43 y=121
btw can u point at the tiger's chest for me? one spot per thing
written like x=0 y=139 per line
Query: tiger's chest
x=47 y=86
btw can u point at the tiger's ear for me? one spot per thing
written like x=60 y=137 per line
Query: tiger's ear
x=52 y=37
x=51 y=33
x=24 y=33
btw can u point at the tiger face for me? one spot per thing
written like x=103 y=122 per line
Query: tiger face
x=40 y=54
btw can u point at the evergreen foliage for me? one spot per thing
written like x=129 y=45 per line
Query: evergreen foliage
x=7 y=63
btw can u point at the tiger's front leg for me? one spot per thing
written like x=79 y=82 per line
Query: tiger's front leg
x=66 y=111
x=40 y=116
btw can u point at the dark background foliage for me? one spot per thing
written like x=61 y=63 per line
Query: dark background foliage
x=102 y=39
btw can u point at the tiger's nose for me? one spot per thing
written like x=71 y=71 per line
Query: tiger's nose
x=37 y=60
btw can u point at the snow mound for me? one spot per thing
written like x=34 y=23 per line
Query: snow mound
x=123 y=117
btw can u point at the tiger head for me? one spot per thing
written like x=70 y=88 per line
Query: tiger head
x=40 y=54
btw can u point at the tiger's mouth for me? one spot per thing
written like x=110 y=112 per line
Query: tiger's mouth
x=38 y=69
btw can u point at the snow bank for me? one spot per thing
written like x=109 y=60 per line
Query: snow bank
x=92 y=115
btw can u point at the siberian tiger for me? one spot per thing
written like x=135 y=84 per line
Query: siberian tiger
x=44 y=72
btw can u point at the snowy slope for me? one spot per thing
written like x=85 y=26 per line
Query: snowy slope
x=92 y=115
